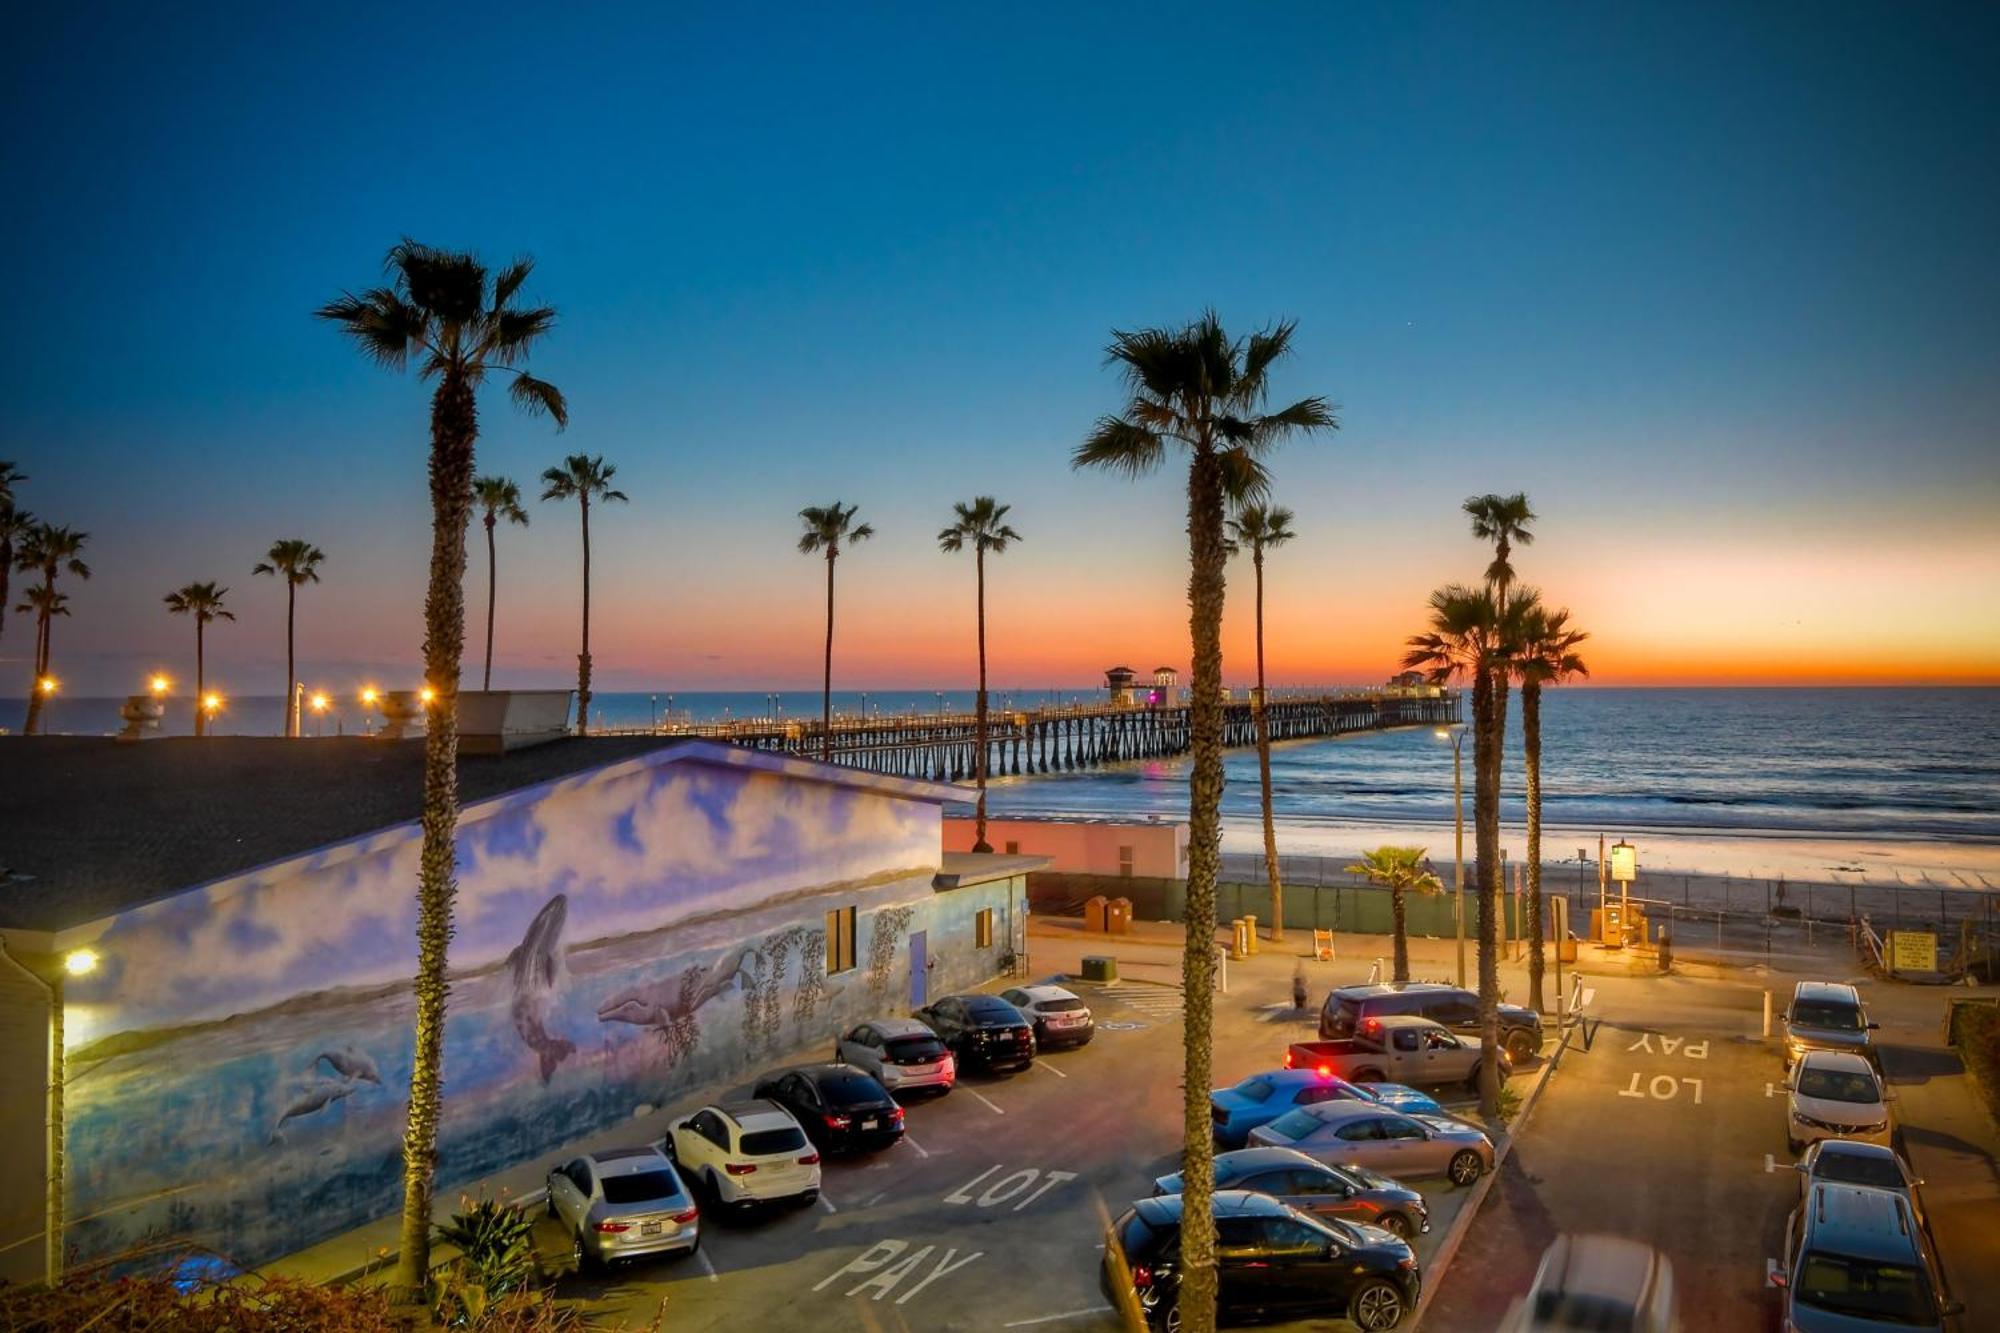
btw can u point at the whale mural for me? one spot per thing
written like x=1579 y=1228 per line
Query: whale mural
x=537 y=972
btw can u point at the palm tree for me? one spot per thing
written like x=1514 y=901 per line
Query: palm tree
x=1502 y=520
x=1546 y=656
x=203 y=601
x=14 y=525
x=460 y=324
x=1257 y=527
x=583 y=478
x=1470 y=640
x=982 y=525
x=47 y=550
x=825 y=530
x=298 y=562
x=1201 y=390
x=500 y=498
x=1400 y=870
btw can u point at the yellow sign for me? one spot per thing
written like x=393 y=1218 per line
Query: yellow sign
x=1624 y=862
x=1912 y=951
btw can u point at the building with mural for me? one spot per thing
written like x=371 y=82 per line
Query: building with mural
x=635 y=920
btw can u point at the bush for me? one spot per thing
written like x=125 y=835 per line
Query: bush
x=1975 y=1030
x=95 y=1300
x=498 y=1244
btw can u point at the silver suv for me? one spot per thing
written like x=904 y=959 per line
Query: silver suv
x=1827 y=1016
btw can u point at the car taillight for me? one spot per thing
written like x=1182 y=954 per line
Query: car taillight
x=614 y=1227
x=1326 y=1071
x=838 y=1121
x=687 y=1216
x=1407 y=1262
x=1142 y=1276
x=810 y=1159
x=740 y=1168
x=1288 y=1059
x=897 y=1115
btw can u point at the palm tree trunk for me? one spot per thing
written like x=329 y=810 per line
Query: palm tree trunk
x=6 y=577
x=37 y=696
x=1401 y=926
x=492 y=575
x=1531 y=747
x=200 y=674
x=826 y=680
x=291 y=669
x=583 y=658
x=1205 y=595
x=1264 y=769
x=979 y=843
x=1486 y=881
x=454 y=427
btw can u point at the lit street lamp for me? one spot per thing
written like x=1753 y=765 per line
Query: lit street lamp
x=320 y=703
x=1456 y=735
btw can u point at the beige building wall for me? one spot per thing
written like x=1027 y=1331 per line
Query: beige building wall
x=24 y=1088
x=1142 y=849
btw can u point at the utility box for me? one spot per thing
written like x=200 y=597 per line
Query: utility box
x=1099 y=967
x=1118 y=916
x=1095 y=914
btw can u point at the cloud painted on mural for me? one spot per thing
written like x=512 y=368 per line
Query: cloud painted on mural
x=630 y=851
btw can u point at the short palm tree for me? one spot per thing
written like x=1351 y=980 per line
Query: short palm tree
x=499 y=498
x=14 y=524
x=297 y=562
x=982 y=526
x=825 y=530
x=1402 y=871
x=1469 y=640
x=1198 y=389
x=48 y=550
x=203 y=601
x=1257 y=528
x=1546 y=656
x=460 y=324
x=583 y=478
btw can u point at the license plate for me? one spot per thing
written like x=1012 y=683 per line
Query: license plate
x=649 y=1228
x=870 y=1124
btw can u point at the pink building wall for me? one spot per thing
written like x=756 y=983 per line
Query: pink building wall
x=1143 y=849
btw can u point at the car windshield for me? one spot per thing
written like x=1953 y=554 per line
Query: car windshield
x=850 y=1090
x=1059 y=1006
x=1294 y=1124
x=988 y=1009
x=641 y=1187
x=1856 y=1169
x=915 y=1048
x=1254 y=1089
x=765 y=1142
x=1891 y=1293
x=1826 y=1014
x=1838 y=1085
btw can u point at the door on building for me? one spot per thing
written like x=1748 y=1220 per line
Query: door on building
x=920 y=969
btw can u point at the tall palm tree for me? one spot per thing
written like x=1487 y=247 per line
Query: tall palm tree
x=296 y=562
x=203 y=601
x=825 y=530
x=1546 y=656
x=460 y=324
x=500 y=498
x=982 y=525
x=1256 y=528
x=14 y=525
x=583 y=478
x=1502 y=520
x=48 y=550
x=1402 y=871
x=1470 y=640
x=1198 y=389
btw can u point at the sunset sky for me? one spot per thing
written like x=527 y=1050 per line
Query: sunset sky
x=1718 y=290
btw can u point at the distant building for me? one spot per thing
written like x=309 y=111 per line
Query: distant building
x=1118 y=684
x=1412 y=685
x=1166 y=687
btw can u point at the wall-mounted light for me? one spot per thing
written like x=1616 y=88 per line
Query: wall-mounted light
x=80 y=962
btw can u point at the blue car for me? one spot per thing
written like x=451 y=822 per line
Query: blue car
x=1262 y=1098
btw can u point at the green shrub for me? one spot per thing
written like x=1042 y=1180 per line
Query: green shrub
x=498 y=1244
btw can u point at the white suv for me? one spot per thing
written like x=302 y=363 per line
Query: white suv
x=746 y=1153
x=1835 y=1095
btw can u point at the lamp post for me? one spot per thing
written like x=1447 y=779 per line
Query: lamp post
x=211 y=704
x=1456 y=735
x=320 y=703
x=369 y=696
x=48 y=971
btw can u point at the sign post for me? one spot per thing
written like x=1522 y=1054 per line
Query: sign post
x=1624 y=869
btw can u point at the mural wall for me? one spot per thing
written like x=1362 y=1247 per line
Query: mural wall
x=240 y=1063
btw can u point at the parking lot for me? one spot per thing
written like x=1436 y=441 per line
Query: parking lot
x=990 y=1213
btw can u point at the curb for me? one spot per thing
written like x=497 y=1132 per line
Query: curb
x=1463 y=1222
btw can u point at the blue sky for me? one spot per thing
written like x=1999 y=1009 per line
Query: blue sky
x=1709 y=282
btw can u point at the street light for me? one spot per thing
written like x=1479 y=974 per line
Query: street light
x=1456 y=735
x=160 y=685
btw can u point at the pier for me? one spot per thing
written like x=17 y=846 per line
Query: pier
x=1066 y=739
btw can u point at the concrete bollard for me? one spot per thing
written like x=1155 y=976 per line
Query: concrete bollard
x=1250 y=933
x=1767 y=1013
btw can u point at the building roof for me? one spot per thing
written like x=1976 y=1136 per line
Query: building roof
x=95 y=826
x=961 y=869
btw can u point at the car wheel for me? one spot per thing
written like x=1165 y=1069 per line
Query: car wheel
x=1397 y=1225
x=586 y=1262
x=1464 y=1169
x=1522 y=1045
x=1376 y=1306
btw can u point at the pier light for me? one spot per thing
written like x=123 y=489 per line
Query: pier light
x=369 y=694
x=160 y=685
x=47 y=684
x=319 y=702
x=80 y=962
x=211 y=702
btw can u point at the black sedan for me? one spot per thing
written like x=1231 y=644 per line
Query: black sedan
x=1272 y=1263
x=983 y=1032
x=841 y=1107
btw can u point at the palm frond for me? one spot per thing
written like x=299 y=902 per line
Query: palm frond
x=511 y=334
x=538 y=397
x=1117 y=445
x=509 y=281
x=1260 y=352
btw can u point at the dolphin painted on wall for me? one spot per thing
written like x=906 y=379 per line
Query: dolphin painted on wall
x=315 y=1095
x=350 y=1063
x=668 y=1006
x=537 y=970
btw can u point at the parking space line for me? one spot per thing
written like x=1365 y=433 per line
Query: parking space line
x=1052 y=1318
x=707 y=1264
x=1051 y=1068
x=914 y=1144
x=1770 y=1164
x=827 y=1204
x=989 y=1105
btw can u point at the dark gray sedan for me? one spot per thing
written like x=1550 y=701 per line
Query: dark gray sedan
x=1350 y=1193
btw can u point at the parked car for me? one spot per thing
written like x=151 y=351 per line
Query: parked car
x=1396 y=1047
x=1349 y=1007
x=1852 y=1162
x=1060 y=1017
x=1603 y=1283
x=746 y=1153
x=1351 y=1193
x=1855 y=1258
x=1835 y=1095
x=1272 y=1262
x=1826 y=1016
x=1262 y=1098
x=842 y=1108
x=982 y=1032
x=1403 y=1147
x=901 y=1053
x=622 y=1203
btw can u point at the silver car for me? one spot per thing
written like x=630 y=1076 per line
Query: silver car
x=1350 y=1193
x=902 y=1053
x=1400 y=1146
x=1852 y=1162
x=1598 y=1282
x=1059 y=1016
x=622 y=1203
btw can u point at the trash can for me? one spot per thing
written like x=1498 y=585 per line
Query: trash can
x=1100 y=967
x=1239 y=944
x=1118 y=916
x=1094 y=914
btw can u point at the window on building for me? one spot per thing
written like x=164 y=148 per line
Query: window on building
x=1013 y=849
x=1125 y=855
x=839 y=940
x=982 y=929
